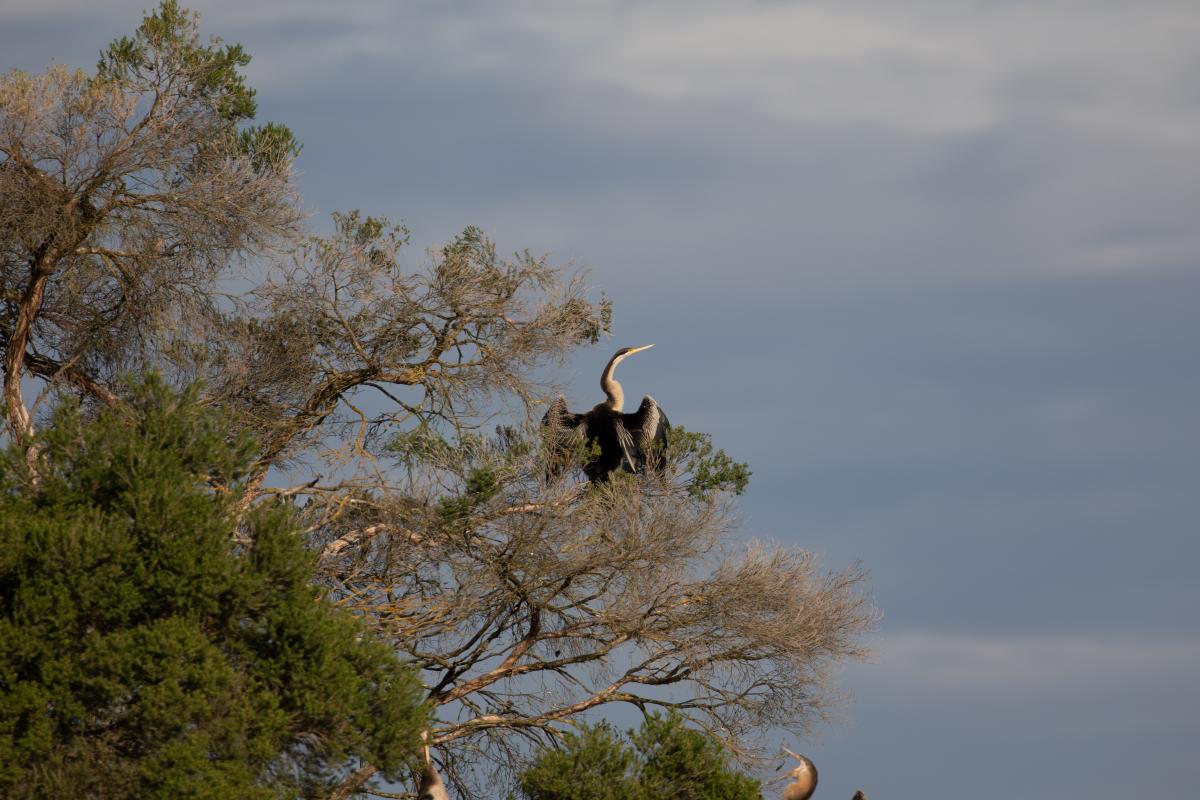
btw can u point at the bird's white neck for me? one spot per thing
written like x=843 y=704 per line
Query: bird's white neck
x=616 y=395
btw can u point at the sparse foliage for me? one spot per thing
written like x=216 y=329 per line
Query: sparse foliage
x=344 y=327
x=528 y=600
x=124 y=197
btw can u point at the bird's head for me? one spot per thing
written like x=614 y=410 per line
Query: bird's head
x=625 y=352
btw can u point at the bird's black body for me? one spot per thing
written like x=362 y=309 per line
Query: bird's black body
x=631 y=442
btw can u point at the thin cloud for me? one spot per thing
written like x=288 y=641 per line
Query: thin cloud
x=920 y=68
x=912 y=68
x=1032 y=664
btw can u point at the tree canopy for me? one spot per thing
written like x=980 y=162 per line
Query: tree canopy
x=146 y=224
x=146 y=651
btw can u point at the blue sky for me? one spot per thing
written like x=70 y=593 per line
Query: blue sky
x=930 y=267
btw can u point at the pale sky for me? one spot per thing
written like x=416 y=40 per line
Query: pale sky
x=930 y=267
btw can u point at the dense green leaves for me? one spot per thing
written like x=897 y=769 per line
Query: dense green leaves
x=144 y=653
x=681 y=763
x=664 y=760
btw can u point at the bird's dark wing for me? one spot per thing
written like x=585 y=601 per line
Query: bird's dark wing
x=563 y=433
x=648 y=427
x=559 y=416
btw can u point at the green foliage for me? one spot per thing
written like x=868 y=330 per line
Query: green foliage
x=372 y=234
x=605 y=324
x=472 y=242
x=711 y=469
x=681 y=763
x=664 y=760
x=593 y=764
x=144 y=653
x=417 y=445
x=482 y=484
x=165 y=56
x=269 y=146
x=168 y=42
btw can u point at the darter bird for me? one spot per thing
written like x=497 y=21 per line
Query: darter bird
x=630 y=442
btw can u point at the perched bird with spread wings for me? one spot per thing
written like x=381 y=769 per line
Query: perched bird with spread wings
x=632 y=442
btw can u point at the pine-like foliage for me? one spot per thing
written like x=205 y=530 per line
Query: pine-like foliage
x=664 y=760
x=152 y=646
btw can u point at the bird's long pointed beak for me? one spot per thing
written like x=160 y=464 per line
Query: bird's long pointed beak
x=639 y=349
